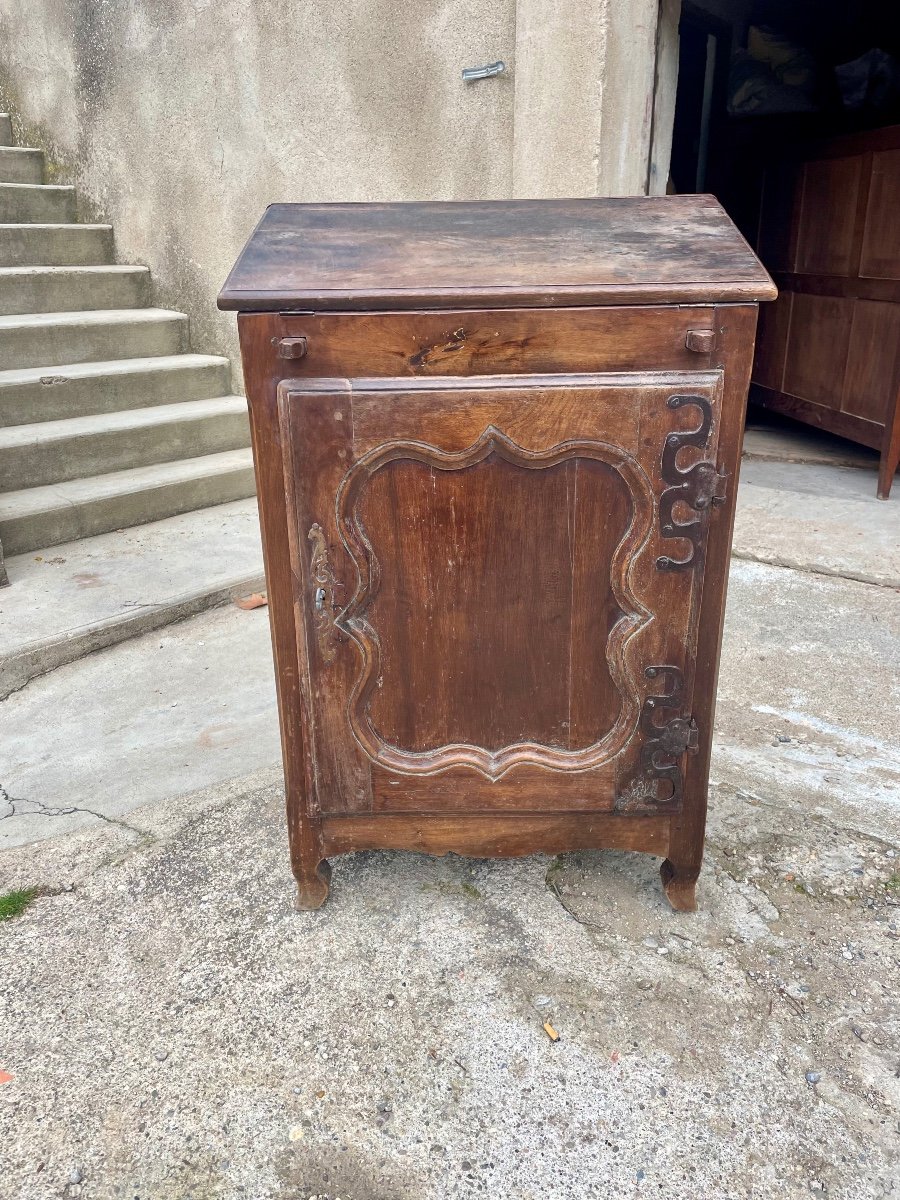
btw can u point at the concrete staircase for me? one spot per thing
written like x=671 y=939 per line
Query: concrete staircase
x=106 y=418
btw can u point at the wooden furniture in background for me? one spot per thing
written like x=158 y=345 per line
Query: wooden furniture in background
x=496 y=448
x=828 y=351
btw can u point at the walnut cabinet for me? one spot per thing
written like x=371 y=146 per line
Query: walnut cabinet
x=829 y=349
x=496 y=448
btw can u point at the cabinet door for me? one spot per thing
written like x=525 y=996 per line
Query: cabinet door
x=497 y=581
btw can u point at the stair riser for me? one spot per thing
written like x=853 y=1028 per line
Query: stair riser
x=60 y=397
x=5 y=130
x=33 y=346
x=68 y=246
x=36 y=531
x=43 y=204
x=35 y=293
x=119 y=450
x=21 y=166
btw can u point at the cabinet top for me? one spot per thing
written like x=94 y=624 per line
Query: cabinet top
x=505 y=254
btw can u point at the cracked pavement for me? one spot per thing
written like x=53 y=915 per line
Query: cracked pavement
x=18 y=806
x=175 y=1031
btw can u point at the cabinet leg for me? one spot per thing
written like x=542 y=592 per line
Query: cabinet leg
x=313 y=880
x=680 y=884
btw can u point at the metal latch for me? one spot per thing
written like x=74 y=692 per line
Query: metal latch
x=679 y=735
x=710 y=486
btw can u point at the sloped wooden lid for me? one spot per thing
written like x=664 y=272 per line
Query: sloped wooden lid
x=496 y=253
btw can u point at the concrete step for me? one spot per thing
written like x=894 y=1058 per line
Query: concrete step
x=79 y=389
x=30 y=202
x=48 y=339
x=72 y=289
x=33 y=245
x=55 y=451
x=92 y=593
x=45 y=516
x=21 y=165
x=769 y=437
x=6 y=136
x=819 y=518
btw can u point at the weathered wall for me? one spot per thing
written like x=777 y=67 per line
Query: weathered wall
x=179 y=120
x=584 y=122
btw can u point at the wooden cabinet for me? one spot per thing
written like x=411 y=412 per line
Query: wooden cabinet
x=497 y=447
x=829 y=349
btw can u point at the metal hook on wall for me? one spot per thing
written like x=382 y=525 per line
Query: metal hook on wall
x=470 y=74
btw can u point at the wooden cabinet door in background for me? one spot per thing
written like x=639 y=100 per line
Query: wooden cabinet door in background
x=829 y=348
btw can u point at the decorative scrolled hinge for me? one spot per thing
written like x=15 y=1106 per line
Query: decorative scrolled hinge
x=324 y=586
x=664 y=744
x=699 y=486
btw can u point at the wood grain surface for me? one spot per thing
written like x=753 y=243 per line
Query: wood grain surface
x=518 y=253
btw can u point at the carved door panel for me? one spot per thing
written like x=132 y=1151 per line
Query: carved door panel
x=497 y=578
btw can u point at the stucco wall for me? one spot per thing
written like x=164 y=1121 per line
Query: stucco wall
x=179 y=120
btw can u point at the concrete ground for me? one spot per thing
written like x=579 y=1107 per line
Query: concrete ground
x=158 y=716
x=173 y=1029
x=73 y=599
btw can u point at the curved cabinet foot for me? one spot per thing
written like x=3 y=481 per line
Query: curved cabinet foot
x=680 y=886
x=312 y=886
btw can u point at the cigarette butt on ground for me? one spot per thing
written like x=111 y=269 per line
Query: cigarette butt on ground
x=550 y=1032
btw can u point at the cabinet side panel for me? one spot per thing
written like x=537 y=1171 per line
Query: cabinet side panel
x=261 y=378
x=737 y=327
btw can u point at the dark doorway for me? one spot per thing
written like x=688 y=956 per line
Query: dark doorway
x=788 y=111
